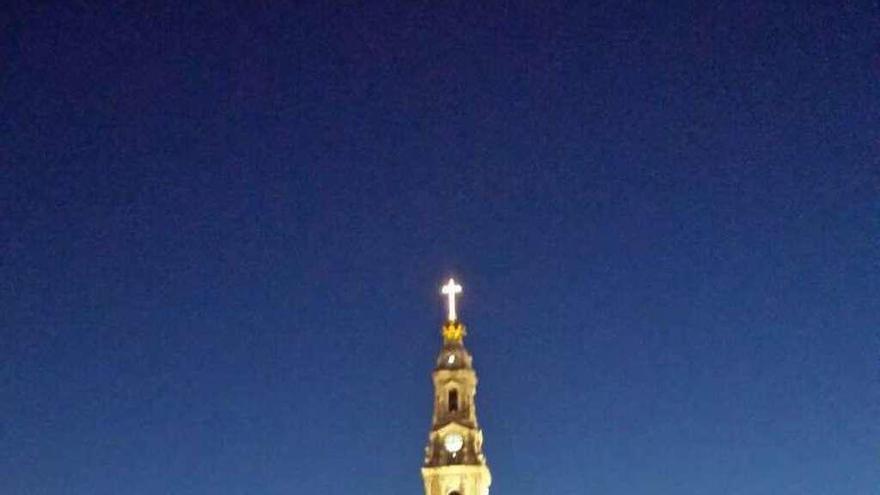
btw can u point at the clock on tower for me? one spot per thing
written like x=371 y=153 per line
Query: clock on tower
x=454 y=460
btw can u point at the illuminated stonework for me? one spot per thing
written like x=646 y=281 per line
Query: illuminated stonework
x=454 y=460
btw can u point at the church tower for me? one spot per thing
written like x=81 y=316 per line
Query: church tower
x=454 y=460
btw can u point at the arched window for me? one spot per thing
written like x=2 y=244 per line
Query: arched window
x=453 y=401
x=454 y=493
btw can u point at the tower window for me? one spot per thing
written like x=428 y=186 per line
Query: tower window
x=453 y=400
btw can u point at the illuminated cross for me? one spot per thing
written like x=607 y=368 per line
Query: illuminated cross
x=450 y=290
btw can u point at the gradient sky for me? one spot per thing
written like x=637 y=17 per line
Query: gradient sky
x=224 y=228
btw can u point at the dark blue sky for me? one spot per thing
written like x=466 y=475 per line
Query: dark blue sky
x=224 y=229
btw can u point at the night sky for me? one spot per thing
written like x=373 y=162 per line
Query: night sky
x=223 y=229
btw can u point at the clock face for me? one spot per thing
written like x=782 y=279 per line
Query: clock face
x=453 y=442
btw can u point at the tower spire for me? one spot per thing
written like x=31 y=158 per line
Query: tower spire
x=454 y=461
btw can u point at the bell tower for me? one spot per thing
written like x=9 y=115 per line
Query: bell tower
x=454 y=460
